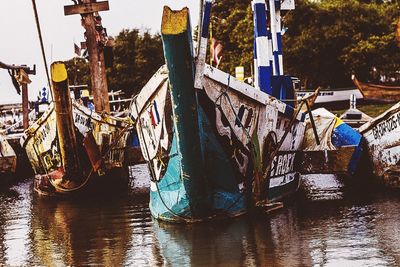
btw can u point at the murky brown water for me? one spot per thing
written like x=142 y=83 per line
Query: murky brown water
x=328 y=225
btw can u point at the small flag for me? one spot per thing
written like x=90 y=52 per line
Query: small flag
x=77 y=50
x=216 y=51
x=43 y=95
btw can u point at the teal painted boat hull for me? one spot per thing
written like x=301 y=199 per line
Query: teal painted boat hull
x=203 y=147
x=169 y=200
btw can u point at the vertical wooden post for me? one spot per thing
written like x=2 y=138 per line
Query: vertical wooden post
x=25 y=106
x=96 y=62
x=65 y=123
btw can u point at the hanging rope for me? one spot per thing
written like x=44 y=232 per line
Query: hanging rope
x=41 y=44
x=103 y=158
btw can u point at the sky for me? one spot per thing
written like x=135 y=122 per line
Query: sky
x=19 y=41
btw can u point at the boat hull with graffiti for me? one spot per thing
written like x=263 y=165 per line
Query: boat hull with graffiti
x=101 y=143
x=217 y=150
x=229 y=129
x=382 y=138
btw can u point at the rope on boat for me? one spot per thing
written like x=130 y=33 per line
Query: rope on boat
x=41 y=44
x=183 y=218
x=92 y=169
x=153 y=175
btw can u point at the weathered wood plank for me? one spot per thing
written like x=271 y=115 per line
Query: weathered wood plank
x=86 y=8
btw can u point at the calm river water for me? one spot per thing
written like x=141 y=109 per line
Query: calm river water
x=329 y=224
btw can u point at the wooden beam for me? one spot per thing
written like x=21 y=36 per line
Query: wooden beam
x=65 y=121
x=25 y=106
x=83 y=45
x=27 y=69
x=96 y=64
x=86 y=8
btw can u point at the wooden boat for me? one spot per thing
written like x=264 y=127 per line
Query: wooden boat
x=382 y=138
x=337 y=150
x=8 y=161
x=72 y=148
x=334 y=97
x=215 y=150
x=353 y=116
x=378 y=93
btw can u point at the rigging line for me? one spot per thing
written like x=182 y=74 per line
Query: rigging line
x=41 y=45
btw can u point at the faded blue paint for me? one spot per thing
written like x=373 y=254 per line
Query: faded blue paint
x=344 y=135
x=172 y=191
x=260 y=20
x=218 y=174
x=264 y=78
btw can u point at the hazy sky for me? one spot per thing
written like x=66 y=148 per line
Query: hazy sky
x=20 y=43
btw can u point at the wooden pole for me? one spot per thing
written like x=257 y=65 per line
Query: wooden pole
x=25 y=106
x=96 y=63
x=65 y=123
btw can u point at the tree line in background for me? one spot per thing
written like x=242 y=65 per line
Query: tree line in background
x=325 y=42
x=136 y=57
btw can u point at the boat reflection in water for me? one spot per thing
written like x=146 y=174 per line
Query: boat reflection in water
x=332 y=229
x=79 y=233
x=329 y=224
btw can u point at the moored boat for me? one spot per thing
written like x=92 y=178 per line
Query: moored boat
x=8 y=161
x=337 y=148
x=382 y=138
x=378 y=93
x=214 y=145
x=353 y=116
x=72 y=148
x=332 y=97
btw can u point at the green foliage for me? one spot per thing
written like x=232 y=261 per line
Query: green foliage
x=232 y=24
x=326 y=41
x=136 y=58
x=78 y=71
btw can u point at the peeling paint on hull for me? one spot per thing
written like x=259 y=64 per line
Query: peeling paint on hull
x=41 y=144
x=382 y=137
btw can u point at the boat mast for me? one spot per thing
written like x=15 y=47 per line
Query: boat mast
x=203 y=42
x=87 y=9
x=41 y=42
x=275 y=15
x=262 y=48
x=268 y=56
